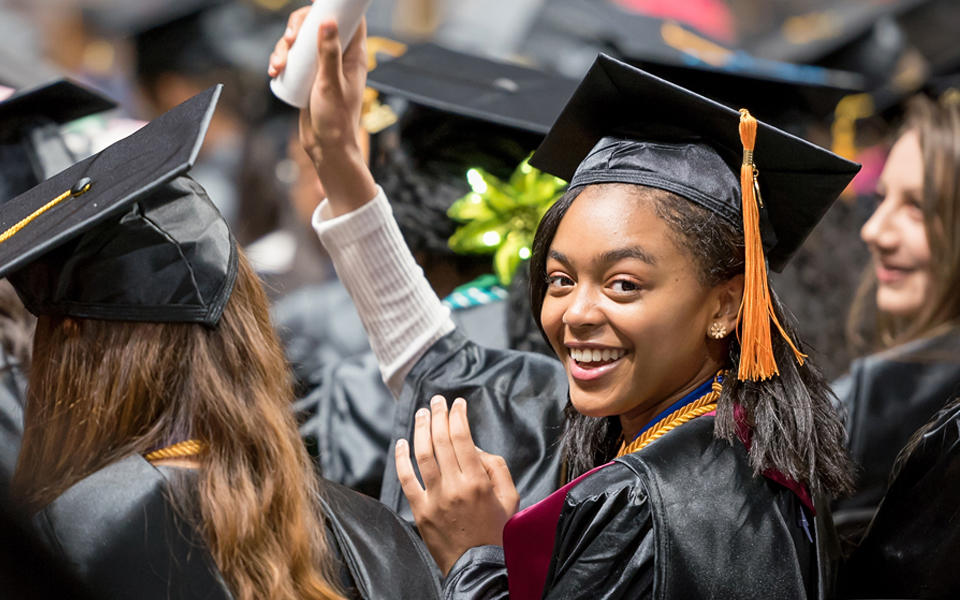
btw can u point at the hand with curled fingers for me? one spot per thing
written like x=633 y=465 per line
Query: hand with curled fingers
x=467 y=495
x=330 y=126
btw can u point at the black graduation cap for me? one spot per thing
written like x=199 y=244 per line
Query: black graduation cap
x=472 y=86
x=620 y=117
x=31 y=145
x=568 y=34
x=192 y=36
x=124 y=234
x=624 y=125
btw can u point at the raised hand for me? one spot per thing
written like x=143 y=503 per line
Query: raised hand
x=467 y=495
x=330 y=126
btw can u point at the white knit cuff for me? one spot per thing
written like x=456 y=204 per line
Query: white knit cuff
x=400 y=311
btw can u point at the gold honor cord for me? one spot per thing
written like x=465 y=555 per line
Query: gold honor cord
x=699 y=407
x=82 y=187
x=182 y=449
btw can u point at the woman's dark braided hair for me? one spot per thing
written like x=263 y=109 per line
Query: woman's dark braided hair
x=795 y=429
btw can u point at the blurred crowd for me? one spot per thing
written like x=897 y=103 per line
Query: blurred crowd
x=460 y=93
x=836 y=73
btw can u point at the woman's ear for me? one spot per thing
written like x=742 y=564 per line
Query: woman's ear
x=726 y=297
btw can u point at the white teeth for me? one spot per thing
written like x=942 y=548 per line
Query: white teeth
x=590 y=355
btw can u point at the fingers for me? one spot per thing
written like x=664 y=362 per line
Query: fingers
x=294 y=23
x=423 y=450
x=468 y=456
x=499 y=474
x=329 y=61
x=405 y=473
x=278 y=59
x=442 y=445
x=355 y=56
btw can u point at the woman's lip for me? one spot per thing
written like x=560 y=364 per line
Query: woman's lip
x=583 y=374
x=887 y=274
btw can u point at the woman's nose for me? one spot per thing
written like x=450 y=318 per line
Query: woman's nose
x=584 y=309
x=880 y=231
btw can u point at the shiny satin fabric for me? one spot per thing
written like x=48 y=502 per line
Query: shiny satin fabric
x=117 y=532
x=515 y=403
x=170 y=257
x=12 y=395
x=347 y=414
x=910 y=549
x=683 y=518
x=887 y=397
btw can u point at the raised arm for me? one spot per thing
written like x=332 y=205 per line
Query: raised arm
x=399 y=309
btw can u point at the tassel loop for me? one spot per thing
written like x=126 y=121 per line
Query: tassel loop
x=757 y=361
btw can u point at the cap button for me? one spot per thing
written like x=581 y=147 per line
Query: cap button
x=81 y=186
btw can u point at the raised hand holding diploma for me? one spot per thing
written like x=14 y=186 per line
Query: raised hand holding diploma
x=330 y=124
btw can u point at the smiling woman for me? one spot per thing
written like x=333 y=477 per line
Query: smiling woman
x=693 y=454
x=911 y=289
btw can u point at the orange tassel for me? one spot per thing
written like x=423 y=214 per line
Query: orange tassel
x=756 y=308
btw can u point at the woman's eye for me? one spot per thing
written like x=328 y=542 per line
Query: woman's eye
x=559 y=281
x=625 y=286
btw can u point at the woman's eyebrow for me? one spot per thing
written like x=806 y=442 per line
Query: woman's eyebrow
x=612 y=256
x=560 y=257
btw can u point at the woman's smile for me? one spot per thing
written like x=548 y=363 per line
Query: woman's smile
x=589 y=362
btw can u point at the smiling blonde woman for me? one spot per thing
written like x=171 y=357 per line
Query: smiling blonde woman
x=910 y=289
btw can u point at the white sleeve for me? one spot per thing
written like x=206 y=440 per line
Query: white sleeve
x=400 y=311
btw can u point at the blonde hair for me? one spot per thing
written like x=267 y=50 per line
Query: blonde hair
x=937 y=124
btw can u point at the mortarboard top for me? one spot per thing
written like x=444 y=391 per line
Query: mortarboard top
x=59 y=101
x=76 y=245
x=471 y=86
x=31 y=145
x=569 y=33
x=615 y=102
x=194 y=36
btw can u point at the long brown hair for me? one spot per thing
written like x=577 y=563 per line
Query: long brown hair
x=937 y=124
x=102 y=390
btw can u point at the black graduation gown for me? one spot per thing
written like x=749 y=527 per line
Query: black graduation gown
x=347 y=414
x=118 y=534
x=910 y=549
x=683 y=518
x=886 y=398
x=515 y=403
x=12 y=394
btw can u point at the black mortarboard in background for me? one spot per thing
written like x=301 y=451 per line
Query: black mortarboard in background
x=895 y=44
x=568 y=34
x=193 y=36
x=124 y=234
x=625 y=125
x=462 y=84
x=456 y=111
x=459 y=110
x=31 y=145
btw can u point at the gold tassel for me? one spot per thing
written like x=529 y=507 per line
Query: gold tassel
x=756 y=308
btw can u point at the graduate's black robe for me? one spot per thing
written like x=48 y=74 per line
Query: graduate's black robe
x=349 y=418
x=118 y=534
x=888 y=396
x=910 y=549
x=684 y=518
